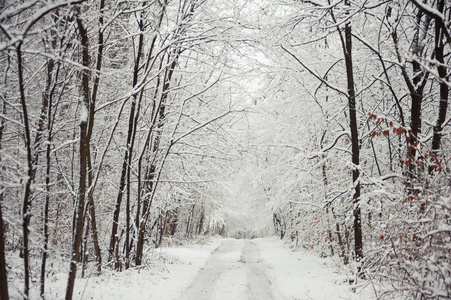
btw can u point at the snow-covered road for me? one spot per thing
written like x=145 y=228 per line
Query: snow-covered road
x=263 y=269
x=260 y=269
x=233 y=271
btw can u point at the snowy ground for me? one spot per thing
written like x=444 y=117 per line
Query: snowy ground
x=223 y=269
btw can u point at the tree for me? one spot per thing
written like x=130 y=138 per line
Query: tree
x=3 y=274
x=441 y=33
x=346 y=43
x=83 y=150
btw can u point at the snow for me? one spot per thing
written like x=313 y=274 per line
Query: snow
x=302 y=275
x=165 y=274
x=262 y=268
x=84 y=114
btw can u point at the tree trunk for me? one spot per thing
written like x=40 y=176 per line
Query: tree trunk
x=84 y=253
x=49 y=96
x=3 y=275
x=416 y=87
x=92 y=213
x=444 y=89
x=150 y=186
x=201 y=221
x=174 y=221
x=325 y=187
x=83 y=152
x=26 y=203
x=154 y=114
x=358 y=239
x=91 y=207
x=341 y=243
x=125 y=175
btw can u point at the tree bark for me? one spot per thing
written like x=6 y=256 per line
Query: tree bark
x=444 y=89
x=200 y=225
x=91 y=206
x=49 y=95
x=3 y=275
x=26 y=203
x=83 y=152
x=416 y=86
x=92 y=213
x=358 y=238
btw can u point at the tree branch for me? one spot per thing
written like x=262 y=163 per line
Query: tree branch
x=314 y=74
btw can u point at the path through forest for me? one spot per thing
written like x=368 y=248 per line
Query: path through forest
x=264 y=269
x=233 y=271
x=220 y=269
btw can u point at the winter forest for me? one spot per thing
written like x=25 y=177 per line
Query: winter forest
x=128 y=126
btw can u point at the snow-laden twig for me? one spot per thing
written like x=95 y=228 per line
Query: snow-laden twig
x=331 y=146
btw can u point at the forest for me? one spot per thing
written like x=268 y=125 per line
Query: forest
x=129 y=125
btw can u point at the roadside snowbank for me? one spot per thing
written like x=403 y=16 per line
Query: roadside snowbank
x=167 y=274
x=301 y=275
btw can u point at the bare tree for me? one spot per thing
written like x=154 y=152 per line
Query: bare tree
x=3 y=274
x=84 y=151
x=347 y=49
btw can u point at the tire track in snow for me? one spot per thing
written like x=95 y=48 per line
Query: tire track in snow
x=233 y=271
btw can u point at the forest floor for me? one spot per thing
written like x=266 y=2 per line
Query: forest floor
x=230 y=269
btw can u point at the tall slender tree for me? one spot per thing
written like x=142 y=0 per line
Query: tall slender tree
x=347 y=51
x=83 y=153
x=4 y=294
